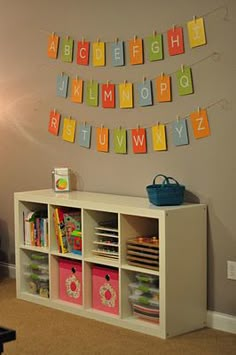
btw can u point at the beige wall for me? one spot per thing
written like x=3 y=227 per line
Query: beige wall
x=27 y=93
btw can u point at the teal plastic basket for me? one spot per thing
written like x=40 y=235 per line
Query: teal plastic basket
x=166 y=193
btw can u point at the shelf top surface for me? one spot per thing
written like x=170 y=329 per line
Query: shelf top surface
x=93 y=200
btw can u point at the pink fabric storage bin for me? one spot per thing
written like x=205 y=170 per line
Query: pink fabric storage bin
x=105 y=285
x=70 y=282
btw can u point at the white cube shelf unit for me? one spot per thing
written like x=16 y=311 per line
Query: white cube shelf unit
x=182 y=257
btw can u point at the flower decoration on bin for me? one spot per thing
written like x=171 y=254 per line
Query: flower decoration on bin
x=108 y=294
x=73 y=286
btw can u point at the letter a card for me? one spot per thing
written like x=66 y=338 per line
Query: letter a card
x=54 y=122
x=200 y=124
x=53 y=42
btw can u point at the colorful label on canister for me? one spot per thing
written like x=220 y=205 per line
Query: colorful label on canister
x=61 y=179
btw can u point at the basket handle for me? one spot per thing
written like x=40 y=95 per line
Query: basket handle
x=165 y=181
x=171 y=178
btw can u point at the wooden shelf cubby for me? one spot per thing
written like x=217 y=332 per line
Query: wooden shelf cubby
x=181 y=272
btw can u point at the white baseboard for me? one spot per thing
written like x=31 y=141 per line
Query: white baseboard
x=7 y=270
x=221 y=321
x=215 y=320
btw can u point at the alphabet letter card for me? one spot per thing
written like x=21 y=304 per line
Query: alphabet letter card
x=200 y=124
x=53 y=42
x=68 y=133
x=196 y=32
x=54 y=122
x=184 y=81
x=102 y=139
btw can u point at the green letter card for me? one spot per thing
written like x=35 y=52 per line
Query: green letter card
x=184 y=81
x=67 y=50
x=120 y=145
x=155 y=47
x=92 y=93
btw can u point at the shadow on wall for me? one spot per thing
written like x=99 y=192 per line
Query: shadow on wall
x=4 y=242
x=4 y=272
x=190 y=197
x=75 y=181
x=219 y=241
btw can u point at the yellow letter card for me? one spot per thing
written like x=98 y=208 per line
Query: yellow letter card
x=68 y=133
x=159 y=137
x=196 y=32
x=126 y=95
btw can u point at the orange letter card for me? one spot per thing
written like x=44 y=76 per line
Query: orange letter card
x=163 y=83
x=54 y=123
x=139 y=140
x=102 y=139
x=53 y=42
x=77 y=90
x=200 y=124
x=136 y=51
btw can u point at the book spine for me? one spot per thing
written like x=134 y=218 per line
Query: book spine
x=45 y=232
x=27 y=239
x=61 y=230
x=38 y=232
x=41 y=232
x=56 y=229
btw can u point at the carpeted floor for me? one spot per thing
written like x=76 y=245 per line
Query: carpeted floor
x=41 y=330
